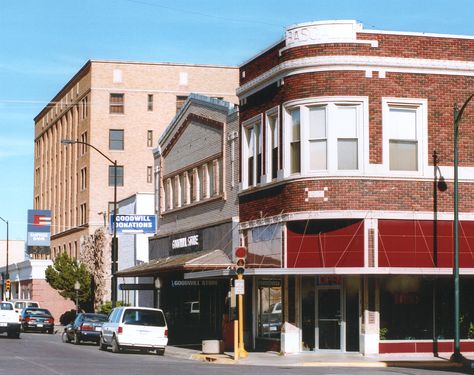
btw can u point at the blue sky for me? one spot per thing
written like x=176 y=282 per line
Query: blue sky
x=43 y=43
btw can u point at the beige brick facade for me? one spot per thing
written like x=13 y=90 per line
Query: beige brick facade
x=73 y=180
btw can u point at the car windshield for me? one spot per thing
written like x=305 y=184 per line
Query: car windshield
x=37 y=312
x=95 y=318
x=32 y=304
x=144 y=317
x=6 y=306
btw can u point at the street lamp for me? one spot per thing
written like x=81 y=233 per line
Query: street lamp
x=7 y=275
x=114 y=248
x=457 y=117
x=77 y=286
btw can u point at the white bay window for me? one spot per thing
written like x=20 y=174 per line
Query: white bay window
x=325 y=135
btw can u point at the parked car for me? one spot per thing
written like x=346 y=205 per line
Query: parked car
x=37 y=319
x=86 y=327
x=135 y=328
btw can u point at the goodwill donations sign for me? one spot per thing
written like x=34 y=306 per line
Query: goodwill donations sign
x=134 y=224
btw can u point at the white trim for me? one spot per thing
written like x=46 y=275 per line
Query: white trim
x=373 y=43
x=331 y=271
x=355 y=63
x=353 y=214
x=415 y=33
x=362 y=107
x=272 y=112
x=250 y=123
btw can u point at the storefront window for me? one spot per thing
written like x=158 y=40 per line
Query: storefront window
x=269 y=309
x=406 y=308
x=413 y=308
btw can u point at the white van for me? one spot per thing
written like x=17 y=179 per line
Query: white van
x=20 y=304
x=135 y=328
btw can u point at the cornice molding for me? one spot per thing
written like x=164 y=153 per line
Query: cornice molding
x=355 y=63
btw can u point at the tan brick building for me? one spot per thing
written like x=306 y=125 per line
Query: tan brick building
x=120 y=108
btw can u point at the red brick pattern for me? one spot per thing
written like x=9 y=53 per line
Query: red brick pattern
x=389 y=195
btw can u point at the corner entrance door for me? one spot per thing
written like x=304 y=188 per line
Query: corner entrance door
x=329 y=319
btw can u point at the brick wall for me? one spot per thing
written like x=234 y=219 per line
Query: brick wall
x=50 y=299
x=351 y=194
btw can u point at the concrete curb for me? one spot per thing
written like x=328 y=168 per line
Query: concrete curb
x=229 y=360
x=214 y=358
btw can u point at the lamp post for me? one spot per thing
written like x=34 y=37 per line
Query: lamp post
x=7 y=275
x=77 y=286
x=114 y=248
x=457 y=117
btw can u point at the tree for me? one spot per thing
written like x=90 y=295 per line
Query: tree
x=64 y=273
x=95 y=253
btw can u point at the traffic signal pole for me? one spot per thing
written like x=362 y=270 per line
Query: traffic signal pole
x=242 y=352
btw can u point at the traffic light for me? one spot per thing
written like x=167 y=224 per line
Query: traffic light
x=7 y=284
x=240 y=255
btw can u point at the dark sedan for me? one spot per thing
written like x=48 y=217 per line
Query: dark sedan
x=37 y=319
x=86 y=327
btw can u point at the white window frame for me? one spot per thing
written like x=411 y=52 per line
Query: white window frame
x=216 y=176
x=177 y=191
x=421 y=107
x=251 y=123
x=362 y=103
x=205 y=191
x=272 y=113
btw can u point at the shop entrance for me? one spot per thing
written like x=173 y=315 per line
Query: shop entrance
x=329 y=319
x=322 y=314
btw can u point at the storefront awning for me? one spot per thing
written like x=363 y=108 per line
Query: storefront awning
x=198 y=261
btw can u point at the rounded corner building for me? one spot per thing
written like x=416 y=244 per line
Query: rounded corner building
x=347 y=190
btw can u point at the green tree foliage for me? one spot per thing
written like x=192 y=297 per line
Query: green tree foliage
x=106 y=307
x=62 y=276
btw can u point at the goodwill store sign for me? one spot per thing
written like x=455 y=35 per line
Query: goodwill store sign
x=134 y=224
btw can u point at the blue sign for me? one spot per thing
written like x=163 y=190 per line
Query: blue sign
x=133 y=224
x=39 y=228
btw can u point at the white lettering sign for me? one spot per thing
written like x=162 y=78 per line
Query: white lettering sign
x=321 y=32
x=185 y=242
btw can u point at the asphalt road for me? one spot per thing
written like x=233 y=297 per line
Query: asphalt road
x=44 y=354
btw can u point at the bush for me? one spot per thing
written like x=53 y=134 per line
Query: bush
x=67 y=317
x=106 y=307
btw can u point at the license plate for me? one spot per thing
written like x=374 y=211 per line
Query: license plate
x=39 y=325
x=98 y=328
x=2 y=324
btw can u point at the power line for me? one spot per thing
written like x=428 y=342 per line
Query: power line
x=189 y=11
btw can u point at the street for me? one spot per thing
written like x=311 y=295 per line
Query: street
x=47 y=354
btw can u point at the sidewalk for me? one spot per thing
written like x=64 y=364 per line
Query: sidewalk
x=418 y=360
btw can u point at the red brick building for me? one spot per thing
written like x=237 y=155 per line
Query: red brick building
x=346 y=199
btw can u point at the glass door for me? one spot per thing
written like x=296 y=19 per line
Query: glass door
x=329 y=318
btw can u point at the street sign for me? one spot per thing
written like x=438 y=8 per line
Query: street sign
x=134 y=224
x=137 y=286
x=239 y=287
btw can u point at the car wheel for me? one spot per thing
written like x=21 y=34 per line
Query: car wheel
x=160 y=351
x=13 y=335
x=51 y=331
x=76 y=340
x=115 y=345
x=65 y=338
x=102 y=344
